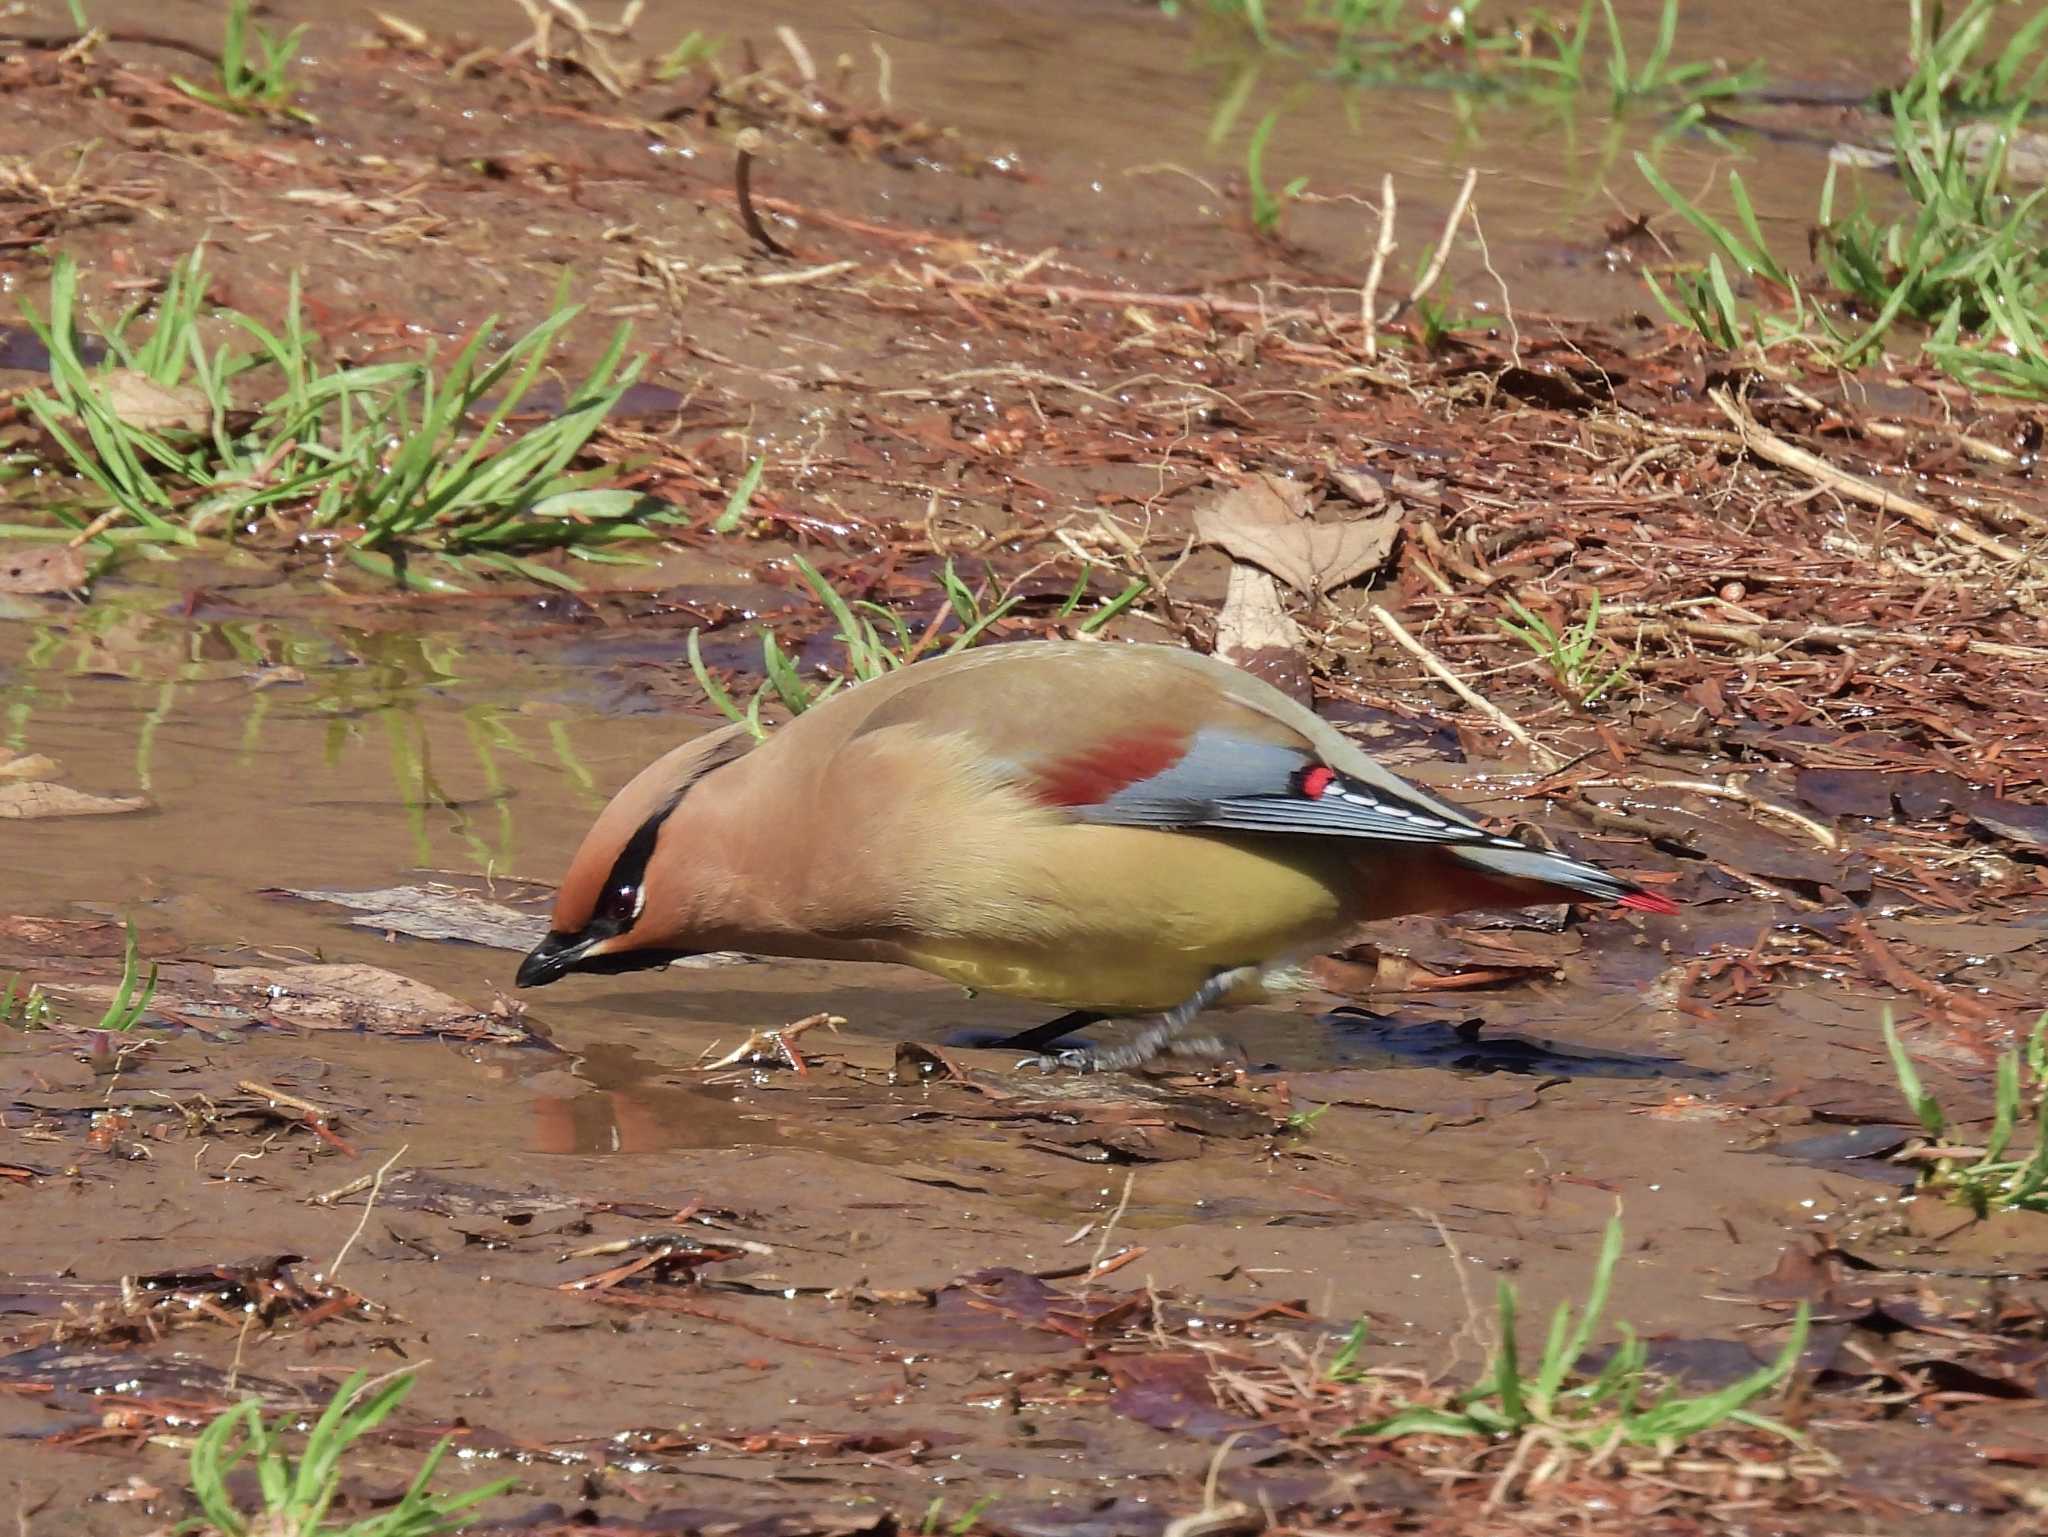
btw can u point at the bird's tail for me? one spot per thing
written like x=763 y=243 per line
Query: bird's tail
x=1555 y=870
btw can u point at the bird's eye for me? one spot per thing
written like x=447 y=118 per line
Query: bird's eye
x=621 y=902
x=625 y=889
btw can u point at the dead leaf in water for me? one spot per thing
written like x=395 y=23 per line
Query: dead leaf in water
x=357 y=997
x=425 y=912
x=27 y=800
x=1255 y=633
x=1266 y=523
x=140 y=402
x=27 y=765
x=40 y=570
x=428 y=912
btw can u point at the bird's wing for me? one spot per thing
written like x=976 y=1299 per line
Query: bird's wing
x=1216 y=777
x=1145 y=737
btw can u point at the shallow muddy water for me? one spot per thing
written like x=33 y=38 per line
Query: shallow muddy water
x=1109 y=110
x=281 y=744
x=956 y=1285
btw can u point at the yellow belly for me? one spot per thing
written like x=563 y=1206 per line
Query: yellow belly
x=1140 y=919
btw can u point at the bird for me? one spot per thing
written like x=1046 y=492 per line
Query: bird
x=1113 y=829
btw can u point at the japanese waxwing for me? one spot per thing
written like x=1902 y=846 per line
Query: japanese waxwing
x=1112 y=829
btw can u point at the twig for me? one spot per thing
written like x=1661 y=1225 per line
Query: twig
x=1368 y=299
x=305 y=1107
x=376 y=1184
x=316 y=1120
x=802 y=275
x=1841 y=636
x=97 y=526
x=1507 y=305
x=783 y=1040
x=1767 y=445
x=1821 y=835
x=1216 y=1516
x=743 y=193
x=799 y=55
x=1109 y=1227
x=242 y=1339
x=1475 y=1321
x=1457 y=685
x=1442 y=253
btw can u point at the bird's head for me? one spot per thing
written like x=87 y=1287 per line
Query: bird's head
x=618 y=906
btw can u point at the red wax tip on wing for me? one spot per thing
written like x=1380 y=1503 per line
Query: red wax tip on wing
x=1649 y=902
x=1089 y=778
x=1316 y=780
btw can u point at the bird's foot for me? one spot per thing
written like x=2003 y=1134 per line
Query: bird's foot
x=1075 y=1059
x=1159 y=1040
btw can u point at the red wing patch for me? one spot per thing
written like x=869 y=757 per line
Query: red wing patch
x=1089 y=778
x=1649 y=902
x=1314 y=781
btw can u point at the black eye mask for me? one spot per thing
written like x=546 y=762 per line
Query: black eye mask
x=619 y=903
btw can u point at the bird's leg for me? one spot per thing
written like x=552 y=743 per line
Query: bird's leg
x=1052 y=1030
x=1161 y=1037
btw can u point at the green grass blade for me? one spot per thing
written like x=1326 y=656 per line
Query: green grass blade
x=736 y=505
x=1924 y=1104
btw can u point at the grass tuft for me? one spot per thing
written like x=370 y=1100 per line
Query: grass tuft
x=412 y=468
x=31 y=1010
x=1955 y=64
x=1396 y=42
x=1984 y=1179
x=1624 y=1403
x=1576 y=655
x=255 y=69
x=297 y=1492
x=1965 y=260
x=1267 y=206
x=34 y=1010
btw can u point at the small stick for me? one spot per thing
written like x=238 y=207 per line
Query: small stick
x=1368 y=299
x=1821 y=835
x=1458 y=686
x=1837 y=635
x=305 y=1107
x=1109 y=1227
x=1116 y=1262
x=376 y=1184
x=242 y=1339
x=97 y=526
x=743 y=193
x=316 y=1120
x=804 y=275
x=1442 y=253
x=361 y=1182
x=798 y=53
x=782 y=1040
x=1767 y=445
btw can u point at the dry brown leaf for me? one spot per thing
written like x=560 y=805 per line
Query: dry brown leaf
x=1265 y=521
x=1360 y=487
x=27 y=765
x=346 y=997
x=140 y=402
x=1255 y=632
x=26 y=800
x=424 y=912
x=33 y=569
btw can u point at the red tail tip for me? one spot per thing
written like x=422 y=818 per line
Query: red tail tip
x=1649 y=902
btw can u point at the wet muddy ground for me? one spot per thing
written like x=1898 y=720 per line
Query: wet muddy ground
x=889 y=1281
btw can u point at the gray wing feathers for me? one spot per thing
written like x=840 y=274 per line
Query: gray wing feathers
x=1216 y=768
x=1520 y=862
x=1238 y=784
